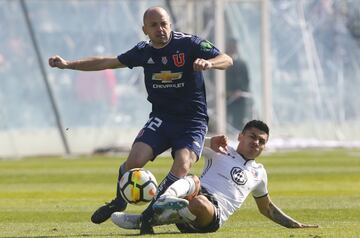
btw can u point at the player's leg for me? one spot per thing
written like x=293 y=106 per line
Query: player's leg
x=198 y=216
x=202 y=210
x=187 y=147
x=139 y=155
x=172 y=202
x=148 y=144
x=184 y=158
x=187 y=143
x=126 y=220
x=172 y=206
x=204 y=215
x=132 y=221
x=187 y=187
x=183 y=161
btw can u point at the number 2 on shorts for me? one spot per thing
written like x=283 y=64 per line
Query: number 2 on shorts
x=154 y=123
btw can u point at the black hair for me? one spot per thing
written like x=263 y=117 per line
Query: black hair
x=256 y=124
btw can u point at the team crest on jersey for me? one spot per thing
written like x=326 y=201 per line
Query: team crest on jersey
x=238 y=176
x=179 y=59
x=164 y=60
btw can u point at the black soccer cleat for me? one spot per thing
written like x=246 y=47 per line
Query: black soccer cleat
x=145 y=224
x=104 y=212
x=146 y=229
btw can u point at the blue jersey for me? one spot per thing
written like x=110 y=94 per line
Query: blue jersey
x=175 y=90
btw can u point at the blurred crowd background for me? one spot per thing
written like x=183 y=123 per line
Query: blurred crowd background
x=313 y=83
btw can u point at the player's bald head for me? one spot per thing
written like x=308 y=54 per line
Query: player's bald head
x=156 y=11
x=157 y=26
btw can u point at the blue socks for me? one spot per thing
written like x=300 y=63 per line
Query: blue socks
x=122 y=171
x=148 y=212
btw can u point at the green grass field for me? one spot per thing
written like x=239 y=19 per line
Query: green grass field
x=55 y=197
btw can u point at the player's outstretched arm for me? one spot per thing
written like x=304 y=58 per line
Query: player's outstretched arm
x=268 y=209
x=222 y=61
x=87 y=64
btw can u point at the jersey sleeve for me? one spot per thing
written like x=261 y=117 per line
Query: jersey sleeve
x=208 y=153
x=133 y=57
x=204 y=49
x=261 y=189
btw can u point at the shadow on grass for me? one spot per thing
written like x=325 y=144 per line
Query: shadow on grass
x=96 y=235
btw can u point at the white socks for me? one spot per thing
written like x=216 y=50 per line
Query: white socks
x=181 y=188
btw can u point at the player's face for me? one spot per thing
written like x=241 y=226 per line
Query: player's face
x=157 y=27
x=252 y=143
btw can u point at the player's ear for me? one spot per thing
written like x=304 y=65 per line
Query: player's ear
x=240 y=135
x=144 y=30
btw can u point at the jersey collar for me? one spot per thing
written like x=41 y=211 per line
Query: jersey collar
x=246 y=159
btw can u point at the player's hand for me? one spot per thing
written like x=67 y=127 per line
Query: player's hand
x=219 y=144
x=308 y=226
x=202 y=64
x=57 y=61
x=300 y=225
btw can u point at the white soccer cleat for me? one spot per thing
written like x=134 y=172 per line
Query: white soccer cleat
x=167 y=210
x=126 y=221
x=169 y=203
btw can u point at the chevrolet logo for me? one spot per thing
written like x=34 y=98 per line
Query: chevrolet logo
x=166 y=76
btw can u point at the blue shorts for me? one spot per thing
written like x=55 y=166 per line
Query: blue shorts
x=161 y=134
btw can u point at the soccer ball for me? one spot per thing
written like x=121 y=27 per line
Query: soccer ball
x=138 y=186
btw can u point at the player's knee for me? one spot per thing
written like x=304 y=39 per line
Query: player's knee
x=197 y=184
x=135 y=162
x=180 y=168
x=200 y=205
x=139 y=155
x=194 y=183
x=184 y=160
x=203 y=209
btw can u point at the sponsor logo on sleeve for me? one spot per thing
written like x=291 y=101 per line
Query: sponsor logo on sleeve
x=206 y=46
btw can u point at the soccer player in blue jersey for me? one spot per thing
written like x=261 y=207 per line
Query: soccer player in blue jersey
x=173 y=63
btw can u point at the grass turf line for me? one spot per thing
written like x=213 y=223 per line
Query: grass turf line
x=55 y=197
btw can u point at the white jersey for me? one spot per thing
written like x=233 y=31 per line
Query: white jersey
x=230 y=179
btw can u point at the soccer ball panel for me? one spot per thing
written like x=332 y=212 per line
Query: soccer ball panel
x=138 y=186
x=123 y=180
x=149 y=190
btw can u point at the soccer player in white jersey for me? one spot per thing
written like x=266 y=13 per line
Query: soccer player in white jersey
x=229 y=176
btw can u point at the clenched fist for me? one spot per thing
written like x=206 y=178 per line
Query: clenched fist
x=202 y=64
x=219 y=144
x=57 y=61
